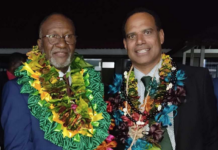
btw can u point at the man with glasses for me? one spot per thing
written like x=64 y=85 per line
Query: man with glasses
x=53 y=122
x=57 y=40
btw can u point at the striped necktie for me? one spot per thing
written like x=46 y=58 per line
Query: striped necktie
x=68 y=85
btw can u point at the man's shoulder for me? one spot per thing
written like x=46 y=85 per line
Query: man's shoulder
x=12 y=92
x=192 y=70
x=13 y=82
x=12 y=85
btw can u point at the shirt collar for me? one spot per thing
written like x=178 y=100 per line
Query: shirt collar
x=139 y=74
x=61 y=74
x=10 y=75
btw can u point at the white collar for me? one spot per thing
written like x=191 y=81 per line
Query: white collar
x=61 y=74
x=139 y=74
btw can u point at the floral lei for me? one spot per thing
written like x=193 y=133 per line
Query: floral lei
x=144 y=130
x=74 y=121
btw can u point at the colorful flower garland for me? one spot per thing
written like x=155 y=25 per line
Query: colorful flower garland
x=145 y=128
x=75 y=120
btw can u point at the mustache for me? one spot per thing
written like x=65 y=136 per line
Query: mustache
x=59 y=50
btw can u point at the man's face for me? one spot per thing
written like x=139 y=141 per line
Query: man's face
x=143 y=40
x=60 y=54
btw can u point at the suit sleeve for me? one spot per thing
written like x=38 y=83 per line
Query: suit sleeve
x=15 y=119
x=210 y=117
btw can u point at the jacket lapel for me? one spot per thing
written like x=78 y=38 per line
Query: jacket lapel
x=176 y=122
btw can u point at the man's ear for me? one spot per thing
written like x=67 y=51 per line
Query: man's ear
x=161 y=35
x=39 y=42
x=124 y=43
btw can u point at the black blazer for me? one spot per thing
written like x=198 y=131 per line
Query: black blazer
x=196 y=122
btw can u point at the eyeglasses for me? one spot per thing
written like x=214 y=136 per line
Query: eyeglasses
x=54 y=38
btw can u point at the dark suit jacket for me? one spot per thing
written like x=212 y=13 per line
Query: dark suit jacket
x=196 y=124
x=22 y=131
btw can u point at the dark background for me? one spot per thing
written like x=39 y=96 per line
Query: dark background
x=98 y=22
